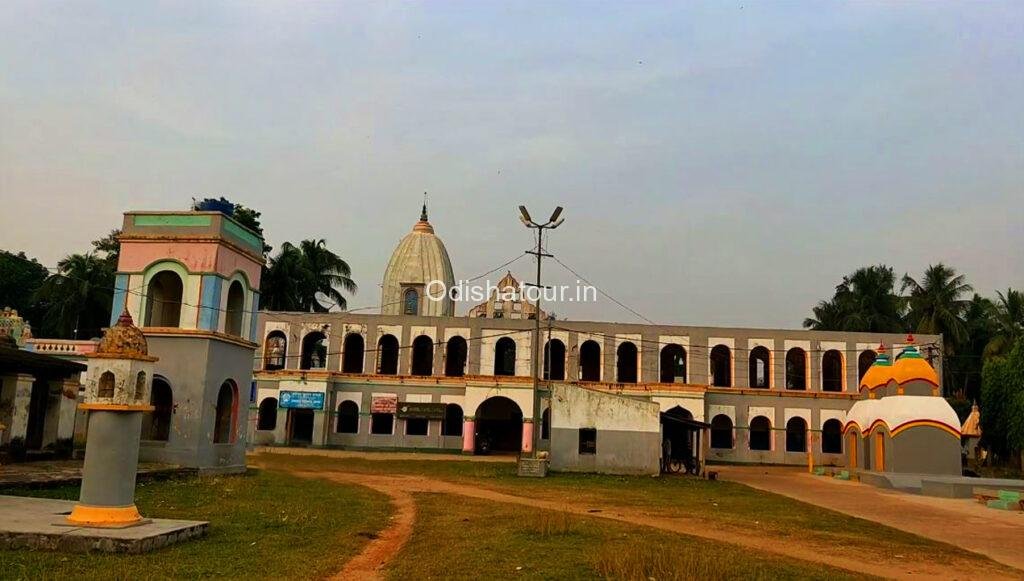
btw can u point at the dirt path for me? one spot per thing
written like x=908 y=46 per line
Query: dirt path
x=964 y=523
x=404 y=486
x=369 y=563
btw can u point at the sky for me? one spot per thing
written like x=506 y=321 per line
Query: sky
x=720 y=163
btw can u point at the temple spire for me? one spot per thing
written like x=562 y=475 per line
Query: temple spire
x=423 y=214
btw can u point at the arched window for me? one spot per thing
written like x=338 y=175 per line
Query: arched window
x=224 y=420
x=865 y=361
x=625 y=367
x=545 y=424
x=721 y=432
x=387 y=355
x=140 y=385
x=267 y=419
x=760 y=374
x=554 y=360
x=347 y=421
x=452 y=423
x=673 y=364
x=412 y=302
x=106 y=385
x=721 y=366
x=796 y=369
x=760 y=433
x=832 y=437
x=352 y=357
x=157 y=424
x=235 y=309
x=796 y=435
x=590 y=361
x=163 y=300
x=832 y=371
x=275 y=349
x=455 y=358
x=423 y=356
x=505 y=357
x=314 y=351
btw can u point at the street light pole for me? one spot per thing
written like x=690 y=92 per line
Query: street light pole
x=554 y=222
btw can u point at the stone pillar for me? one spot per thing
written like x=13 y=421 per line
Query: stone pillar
x=68 y=408
x=319 y=428
x=468 y=435
x=527 y=436
x=111 y=463
x=20 y=406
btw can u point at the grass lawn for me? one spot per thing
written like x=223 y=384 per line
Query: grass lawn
x=461 y=538
x=262 y=525
x=721 y=504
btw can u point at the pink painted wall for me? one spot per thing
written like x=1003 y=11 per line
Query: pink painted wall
x=196 y=256
x=468 y=436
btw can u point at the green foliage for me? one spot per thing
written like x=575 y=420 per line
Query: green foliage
x=1007 y=321
x=1002 y=402
x=937 y=304
x=308 y=278
x=243 y=215
x=20 y=278
x=77 y=299
x=865 y=300
x=962 y=407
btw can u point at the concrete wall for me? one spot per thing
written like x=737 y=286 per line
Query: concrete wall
x=628 y=432
x=195 y=368
x=925 y=450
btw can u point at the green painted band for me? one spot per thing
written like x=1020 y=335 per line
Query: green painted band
x=178 y=220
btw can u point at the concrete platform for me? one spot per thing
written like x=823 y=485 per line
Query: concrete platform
x=38 y=523
x=937 y=485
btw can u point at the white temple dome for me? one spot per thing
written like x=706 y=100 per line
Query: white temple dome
x=419 y=259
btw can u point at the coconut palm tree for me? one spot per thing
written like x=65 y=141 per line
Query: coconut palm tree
x=1007 y=322
x=936 y=303
x=864 y=301
x=76 y=300
x=308 y=277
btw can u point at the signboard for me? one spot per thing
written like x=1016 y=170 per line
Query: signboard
x=386 y=404
x=424 y=410
x=302 y=400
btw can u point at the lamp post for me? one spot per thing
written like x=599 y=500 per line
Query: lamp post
x=553 y=222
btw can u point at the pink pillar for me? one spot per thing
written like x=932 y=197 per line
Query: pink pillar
x=527 y=437
x=468 y=435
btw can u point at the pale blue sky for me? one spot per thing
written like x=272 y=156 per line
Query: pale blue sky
x=720 y=163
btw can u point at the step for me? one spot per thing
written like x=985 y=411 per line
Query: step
x=1003 y=504
x=1010 y=495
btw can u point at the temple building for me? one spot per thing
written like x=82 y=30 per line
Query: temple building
x=418 y=376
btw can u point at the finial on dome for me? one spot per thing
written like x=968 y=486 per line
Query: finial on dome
x=423 y=214
x=881 y=348
x=125 y=320
x=910 y=338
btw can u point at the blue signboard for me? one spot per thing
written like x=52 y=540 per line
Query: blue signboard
x=304 y=400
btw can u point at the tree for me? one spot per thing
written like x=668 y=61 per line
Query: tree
x=20 y=278
x=937 y=304
x=243 y=215
x=864 y=301
x=304 y=277
x=109 y=247
x=1002 y=402
x=964 y=367
x=1007 y=322
x=77 y=298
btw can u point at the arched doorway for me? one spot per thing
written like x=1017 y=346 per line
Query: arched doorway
x=796 y=369
x=163 y=300
x=721 y=366
x=275 y=349
x=387 y=355
x=832 y=371
x=348 y=418
x=590 y=361
x=455 y=357
x=423 y=356
x=300 y=427
x=226 y=413
x=796 y=435
x=864 y=362
x=267 y=418
x=760 y=434
x=499 y=421
x=505 y=357
x=314 y=351
x=721 y=432
x=554 y=360
x=760 y=376
x=352 y=358
x=235 y=310
x=673 y=364
x=451 y=425
x=832 y=437
x=37 y=405
x=626 y=363
x=852 y=438
x=157 y=424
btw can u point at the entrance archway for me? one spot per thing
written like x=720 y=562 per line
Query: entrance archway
x=37 y=405
x=499 y=422
x=300 y=427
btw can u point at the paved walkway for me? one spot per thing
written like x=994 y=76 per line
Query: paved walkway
x=961 y=522
x=54 y=472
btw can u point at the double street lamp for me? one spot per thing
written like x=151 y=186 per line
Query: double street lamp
x=553 y=222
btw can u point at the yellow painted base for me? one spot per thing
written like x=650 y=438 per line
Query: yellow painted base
x=104 y=516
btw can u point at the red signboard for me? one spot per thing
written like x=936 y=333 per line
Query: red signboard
x=384 y=404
